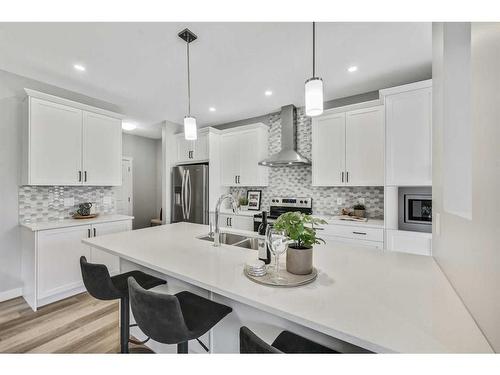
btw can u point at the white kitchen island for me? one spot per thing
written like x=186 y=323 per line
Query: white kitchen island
x=376 y=300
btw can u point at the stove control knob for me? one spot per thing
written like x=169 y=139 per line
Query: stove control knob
x=301 y=201
x=305 y=202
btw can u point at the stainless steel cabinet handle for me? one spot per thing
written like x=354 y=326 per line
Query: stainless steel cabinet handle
x=239 y=182
x=362 y=233
x=342 y=176
x=79 y=176
x=85 y=174
x=235 y=179
x=95 y=233
x=347 y=176
x=88 y=233
x=230 y=221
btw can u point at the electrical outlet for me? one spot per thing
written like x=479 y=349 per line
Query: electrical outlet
x=361 y=200
x=339 y=201
x=69 y=202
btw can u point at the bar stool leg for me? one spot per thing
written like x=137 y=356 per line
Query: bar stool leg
x=124 y=324
x=182 y=348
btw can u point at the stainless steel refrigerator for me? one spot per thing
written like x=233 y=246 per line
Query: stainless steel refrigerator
x=190 y=193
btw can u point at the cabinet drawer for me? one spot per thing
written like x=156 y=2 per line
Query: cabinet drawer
x=371 y=244
x=409 y=242
x=359 y=233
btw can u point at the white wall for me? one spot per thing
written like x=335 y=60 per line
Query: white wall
x=10 y=254
x=169 y=129
x=467 y=246
x=144 y=152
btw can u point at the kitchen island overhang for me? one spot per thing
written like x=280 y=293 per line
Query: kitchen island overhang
x=377 y=300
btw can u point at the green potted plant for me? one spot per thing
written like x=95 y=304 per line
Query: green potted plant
x=243 y=203
x=359 y=210
x=301 y=229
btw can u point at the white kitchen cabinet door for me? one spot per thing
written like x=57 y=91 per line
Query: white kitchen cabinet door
x=365 y=147
x=242 y=222
x=55 y=144
x=102 y=257
x=200 y=151
x=102 y=150
x=328 y=150
x=409 y=242
x=59 y=252
x=230 y=158
x=185 y=149
x=249 y=171
x=408 y=121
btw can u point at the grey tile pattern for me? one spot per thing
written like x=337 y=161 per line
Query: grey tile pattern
x=46 y=203
x=296 y=181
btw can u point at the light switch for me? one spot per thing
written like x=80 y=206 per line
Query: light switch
x=69 y=202
x=339 y=201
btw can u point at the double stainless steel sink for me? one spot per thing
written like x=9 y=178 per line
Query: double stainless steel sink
x=235 y=240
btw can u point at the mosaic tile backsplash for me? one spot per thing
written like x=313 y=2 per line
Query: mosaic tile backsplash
x=46 y=203
x=296 y=181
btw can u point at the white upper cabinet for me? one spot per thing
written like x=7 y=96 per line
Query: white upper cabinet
x=348 y=148
x=365 y=147
x=328 y=151
x=242 y=149
x=65 y=143
x=102 y=150
x=408 y=120
x=192 y=151
x=230 y=158
x=55 y=144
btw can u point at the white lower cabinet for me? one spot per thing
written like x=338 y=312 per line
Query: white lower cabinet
x=59 y=252
x=51 y=260
x=236 y=221
x=358 y=235
x=409 y=242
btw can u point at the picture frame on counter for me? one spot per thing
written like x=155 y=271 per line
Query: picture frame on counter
x=254 y=199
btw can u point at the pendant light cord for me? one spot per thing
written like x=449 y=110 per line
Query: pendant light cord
x=314 y=49
x=189 y=82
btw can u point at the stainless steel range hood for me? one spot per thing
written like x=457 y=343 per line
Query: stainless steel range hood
x=288 y=156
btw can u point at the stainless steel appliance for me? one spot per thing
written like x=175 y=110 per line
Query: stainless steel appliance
x=415 y=209
x=190 y=193
x=281 y=205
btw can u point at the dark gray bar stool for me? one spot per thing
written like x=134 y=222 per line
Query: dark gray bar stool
x=102 y=286
x=174 y=319
x=286 y=342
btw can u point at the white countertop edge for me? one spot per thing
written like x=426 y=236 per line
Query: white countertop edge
x=236 y=297
x=46 y=225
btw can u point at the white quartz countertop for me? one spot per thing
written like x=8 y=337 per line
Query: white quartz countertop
x=370 y=223
x=228 y=211
x=44 y=225
x=382 y=301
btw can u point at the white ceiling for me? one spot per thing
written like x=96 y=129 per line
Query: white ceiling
x=141 y=67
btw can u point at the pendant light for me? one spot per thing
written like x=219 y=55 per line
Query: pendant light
x=314 y=87
x=190 y=130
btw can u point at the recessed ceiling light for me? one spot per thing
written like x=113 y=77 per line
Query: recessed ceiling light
x=268 y=93
x=79 y=67
x=212 y=109
x=352 y=69
x=128 y=126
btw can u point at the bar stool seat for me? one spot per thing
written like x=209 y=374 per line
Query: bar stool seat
x=102 y=286
x=286 y=342
x=174 y=318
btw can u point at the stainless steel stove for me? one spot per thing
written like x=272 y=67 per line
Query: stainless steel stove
x=280 y=205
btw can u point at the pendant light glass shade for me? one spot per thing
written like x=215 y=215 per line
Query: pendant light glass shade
x=314 y=97
x=190 y=132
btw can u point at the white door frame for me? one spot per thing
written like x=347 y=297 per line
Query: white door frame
x=131 y=161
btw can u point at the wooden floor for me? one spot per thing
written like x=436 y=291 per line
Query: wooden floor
x=79 y=324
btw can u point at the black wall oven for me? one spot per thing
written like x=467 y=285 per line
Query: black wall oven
x=415 y=209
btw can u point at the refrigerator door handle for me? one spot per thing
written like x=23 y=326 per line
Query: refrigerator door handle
x=188 y=193
x=183 y=188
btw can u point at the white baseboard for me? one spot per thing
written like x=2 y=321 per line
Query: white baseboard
x=12 y=293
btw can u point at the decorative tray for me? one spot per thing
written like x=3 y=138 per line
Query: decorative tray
x=91 y=216
x=290 y=280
